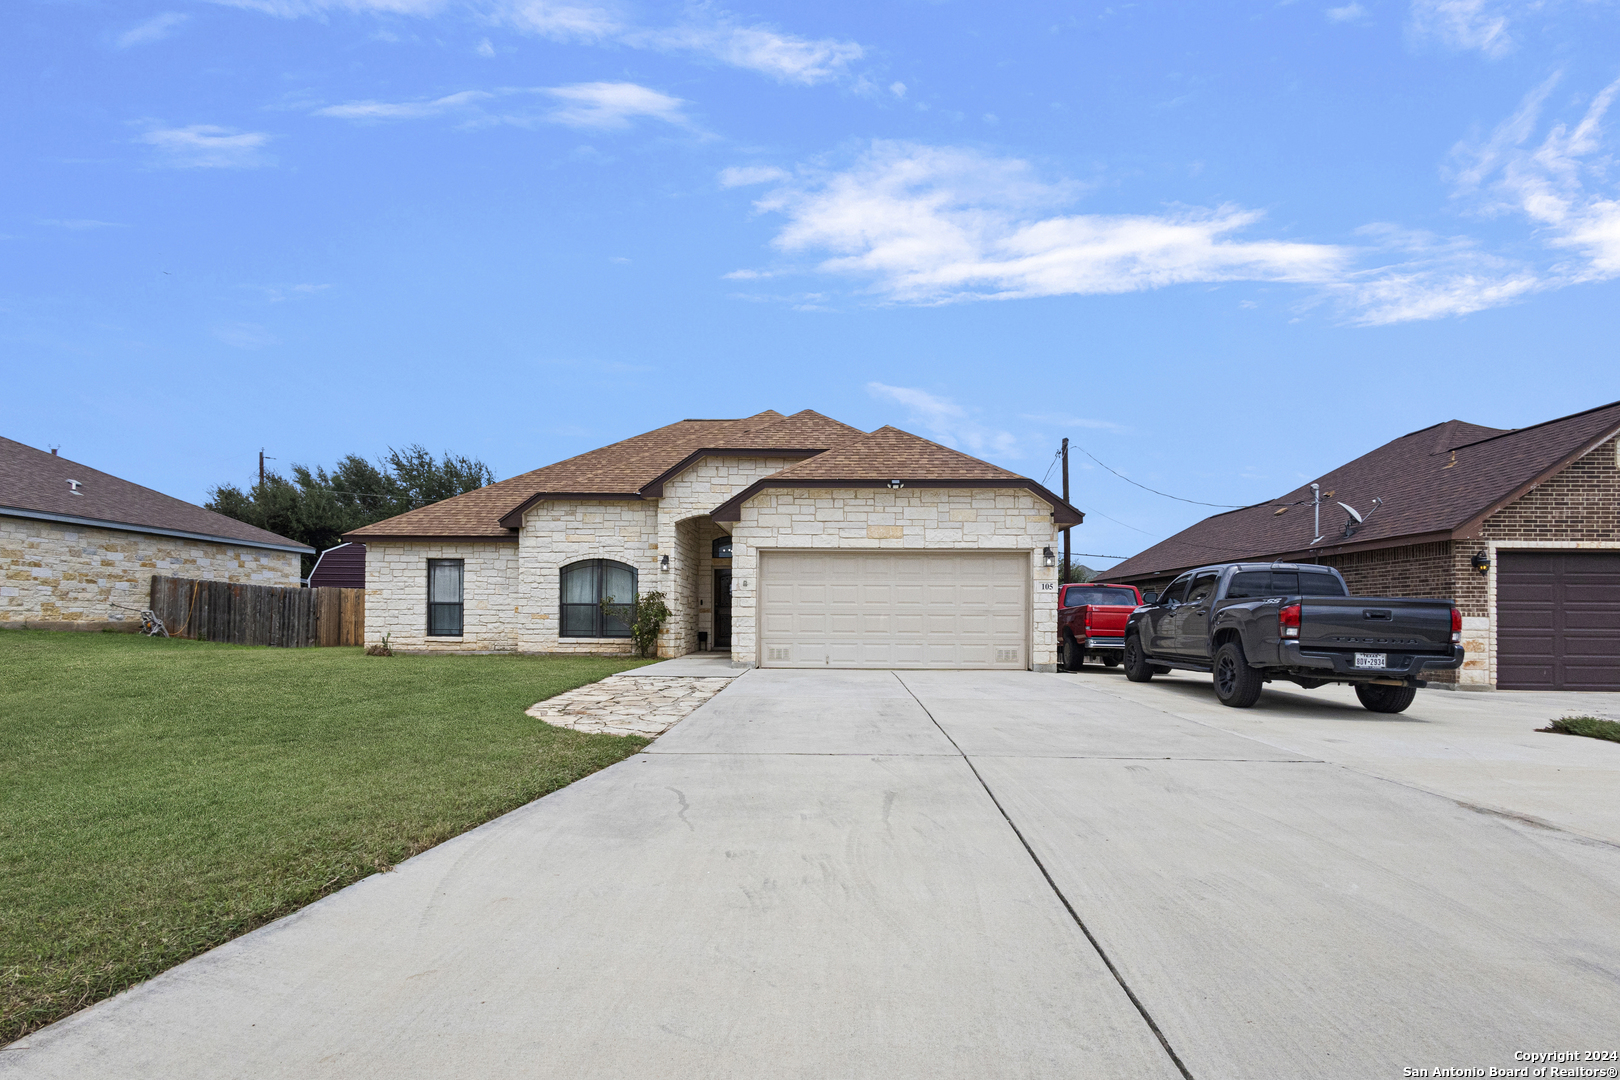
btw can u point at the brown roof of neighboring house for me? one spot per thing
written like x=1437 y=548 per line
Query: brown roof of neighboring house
x=37 y=484
x=889 y=454
x=638 y=468
x=1439 y=483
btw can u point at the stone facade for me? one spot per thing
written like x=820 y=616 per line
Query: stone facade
x=556 y=534
x=396 y=596
x=57 y=576
x=935 y=519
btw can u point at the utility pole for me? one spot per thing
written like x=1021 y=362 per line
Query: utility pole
x=1067 y=565
x=261 y=466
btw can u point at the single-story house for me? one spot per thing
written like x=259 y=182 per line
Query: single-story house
x=1519 y=528
x=340 y=567
x=792 y=541
x=79 y=547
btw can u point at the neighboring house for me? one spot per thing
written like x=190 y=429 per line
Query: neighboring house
x=78 y=547
x=1520 y=529
x=790 y=541
x=341 y=567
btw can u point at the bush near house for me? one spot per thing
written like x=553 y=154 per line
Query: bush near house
x=159 y=797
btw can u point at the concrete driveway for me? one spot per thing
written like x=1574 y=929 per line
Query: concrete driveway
x=869 y=874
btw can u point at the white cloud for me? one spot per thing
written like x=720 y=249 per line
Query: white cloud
x=612 y=105
x=924 y=224
x=245 y=336
x=81 y=224
x=744 y=175
x=156 y=28
x=1351 y=12
x=707 y=31
x=1562 y=186
x=1463 y=24
x=204 y=146
x=404 y=110
x=947 y=421
x=587 y=105
x=898 y=89
x=486 y=48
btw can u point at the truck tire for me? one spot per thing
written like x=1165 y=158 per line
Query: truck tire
x=1385 y=699
x=1073 y=656
x=1137 y=668
x=1237 y=685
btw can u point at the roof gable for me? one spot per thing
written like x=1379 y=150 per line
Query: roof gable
x=40 y=483
x=1437 y=483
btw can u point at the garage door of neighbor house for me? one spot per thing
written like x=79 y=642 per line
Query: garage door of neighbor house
x=848 y=609
x=1558 y=620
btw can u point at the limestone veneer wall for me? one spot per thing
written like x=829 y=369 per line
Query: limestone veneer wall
x=396 y=596
x=556 y=534
x=854 y=519
x=56 y=576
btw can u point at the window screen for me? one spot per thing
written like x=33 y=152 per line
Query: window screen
x=444 y=597
x=597 y=596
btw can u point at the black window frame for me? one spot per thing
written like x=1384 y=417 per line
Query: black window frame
x=439 y=626
x=601 y=621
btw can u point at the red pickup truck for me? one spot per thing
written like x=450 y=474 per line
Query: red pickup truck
x=1091 y=622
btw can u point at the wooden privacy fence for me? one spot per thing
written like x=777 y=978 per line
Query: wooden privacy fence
x=259 y=614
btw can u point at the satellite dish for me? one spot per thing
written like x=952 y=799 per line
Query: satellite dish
x=1352 y=512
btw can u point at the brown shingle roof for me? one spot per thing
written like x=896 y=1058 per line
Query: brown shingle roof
x=620 y=470
x=34 y=483
x=891 y=454
x=1437 y=483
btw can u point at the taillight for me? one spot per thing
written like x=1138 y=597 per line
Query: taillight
x=1456 y=627
x=1288 y=621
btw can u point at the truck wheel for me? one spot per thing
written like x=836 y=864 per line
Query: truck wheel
x=1388 y=699
x=1073 y=656
x=1236 y=683
x=1136 y=665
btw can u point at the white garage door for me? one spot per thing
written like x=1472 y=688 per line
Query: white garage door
x=894 y=609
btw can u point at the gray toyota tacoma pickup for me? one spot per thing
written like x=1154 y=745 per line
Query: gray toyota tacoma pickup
x=1250 y=623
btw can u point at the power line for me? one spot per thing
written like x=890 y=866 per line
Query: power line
x=1156 y=491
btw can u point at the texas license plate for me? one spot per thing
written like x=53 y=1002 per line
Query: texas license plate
x=1372 y=660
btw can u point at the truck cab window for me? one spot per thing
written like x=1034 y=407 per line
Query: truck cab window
x=1202 y=587
x=1249 y=585
x=1176 y=591
x=1319 y=585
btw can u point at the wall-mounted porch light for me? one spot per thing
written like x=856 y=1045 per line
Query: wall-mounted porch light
x=896 y=484
x=1481 y=562
x=663 y=562
x=1047 y=558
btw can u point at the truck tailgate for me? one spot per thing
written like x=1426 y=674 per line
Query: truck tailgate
x=1379 y=623
x=1108 y=621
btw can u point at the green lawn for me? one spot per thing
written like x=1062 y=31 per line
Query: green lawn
x=158 y=797
x=1590 y=726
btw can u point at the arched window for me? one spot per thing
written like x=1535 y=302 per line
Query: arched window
x=596 y=599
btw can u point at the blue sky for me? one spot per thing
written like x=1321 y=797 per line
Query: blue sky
x=1223 y=247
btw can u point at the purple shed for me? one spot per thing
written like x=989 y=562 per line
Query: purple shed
x=341 y=567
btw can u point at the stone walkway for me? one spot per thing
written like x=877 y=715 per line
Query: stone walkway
x=630 y=704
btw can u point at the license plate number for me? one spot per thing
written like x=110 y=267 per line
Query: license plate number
x=1372 y=660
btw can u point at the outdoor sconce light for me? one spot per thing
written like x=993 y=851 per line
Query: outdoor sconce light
x=1481 y=562
x=1047 y=558
x=663 y=562
x=896 y=485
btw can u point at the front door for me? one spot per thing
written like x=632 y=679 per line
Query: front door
x=722 y=609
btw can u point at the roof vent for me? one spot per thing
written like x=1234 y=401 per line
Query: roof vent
x=74 y=485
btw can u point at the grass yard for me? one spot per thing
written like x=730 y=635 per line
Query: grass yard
x=159 y=797
x=1590 y=726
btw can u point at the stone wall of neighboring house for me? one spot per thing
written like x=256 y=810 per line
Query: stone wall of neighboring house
x=883 y=520
x=57 y=576
x=556 y=534
x=396 y=596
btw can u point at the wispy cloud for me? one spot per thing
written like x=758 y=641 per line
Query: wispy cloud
x=707 y=31
x=205 y=146
x=926 y=225
x=80 y=224
x=1563 y=185
x=746 y=175
x=600 y=105
x=156 y=28
x=947 y=421
x=1463 y=25
x=1064 y=420
x=245 y=336
x=1351 y=12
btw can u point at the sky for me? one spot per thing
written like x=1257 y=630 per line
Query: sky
x=1222 y=247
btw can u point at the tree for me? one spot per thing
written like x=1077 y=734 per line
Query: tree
x=1075 y=572
x=317 y=507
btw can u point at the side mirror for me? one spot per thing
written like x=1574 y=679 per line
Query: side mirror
x=1149 y=596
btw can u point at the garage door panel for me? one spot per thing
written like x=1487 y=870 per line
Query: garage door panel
x=1558 y=620
x=894 y=609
